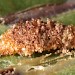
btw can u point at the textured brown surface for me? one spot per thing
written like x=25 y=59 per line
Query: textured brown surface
x=37 y=36
x=8 y=71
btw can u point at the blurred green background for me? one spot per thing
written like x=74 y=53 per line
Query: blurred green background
x=11 y=6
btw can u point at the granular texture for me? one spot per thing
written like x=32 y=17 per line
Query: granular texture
x=37 y=36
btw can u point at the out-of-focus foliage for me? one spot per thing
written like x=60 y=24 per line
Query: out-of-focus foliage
x=36 y=66
x=66 y=17
x=3 y=28
x=10 y=6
